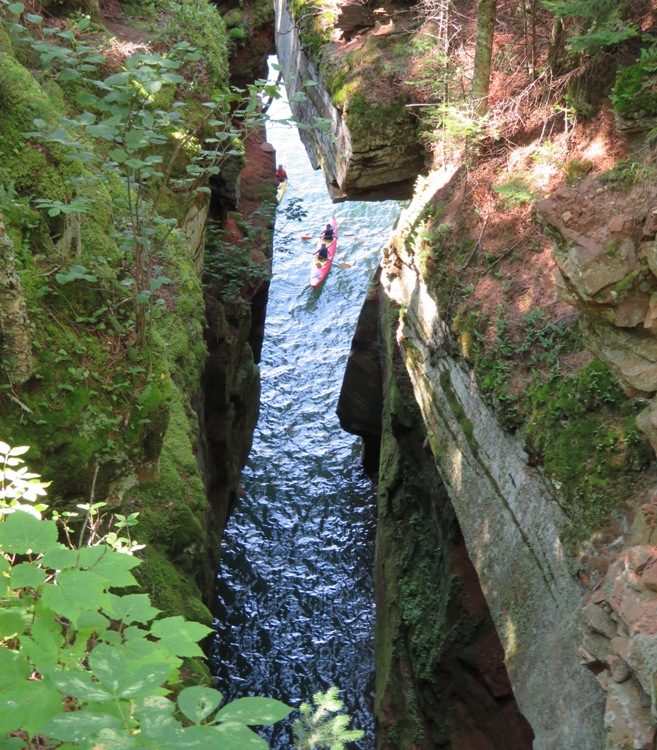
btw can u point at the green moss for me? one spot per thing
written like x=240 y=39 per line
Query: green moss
x=33 y=170
x=365 y=118
x=200 y=23
x=99 y=412
x=584 y=426
x=622 y=286
x=459 y=412
x=315 y=23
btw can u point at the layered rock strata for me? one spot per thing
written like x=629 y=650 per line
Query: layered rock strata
x=358 y=161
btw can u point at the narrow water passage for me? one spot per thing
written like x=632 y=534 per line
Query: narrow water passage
x=295 y=611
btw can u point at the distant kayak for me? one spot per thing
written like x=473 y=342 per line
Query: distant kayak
x=320 y=268
x=281 y=191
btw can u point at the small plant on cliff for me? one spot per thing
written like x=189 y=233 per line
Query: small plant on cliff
x=626 y=173
x=595 y=24
x=322 y=726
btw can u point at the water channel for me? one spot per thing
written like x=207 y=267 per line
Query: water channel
x=295 y=609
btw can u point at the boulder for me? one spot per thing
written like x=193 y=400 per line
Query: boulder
x=646 y=421
x=591 y=266
x=631 y=354
x=627 y=722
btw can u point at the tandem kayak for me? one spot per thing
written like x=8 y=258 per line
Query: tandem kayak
x=280 y=192
x=320 y=268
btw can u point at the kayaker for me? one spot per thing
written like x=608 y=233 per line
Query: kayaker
x=322 y=253
x=281 y=174
x=327 y=234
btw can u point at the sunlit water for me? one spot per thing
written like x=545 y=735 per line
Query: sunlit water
x=295 y=610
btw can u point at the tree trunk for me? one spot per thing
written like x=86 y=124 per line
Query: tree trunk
x=483 y=56
x=15 y=329
x=556 y=38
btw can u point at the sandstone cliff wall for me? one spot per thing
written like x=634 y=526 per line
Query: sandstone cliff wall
x=358 y=161
x=507 y=511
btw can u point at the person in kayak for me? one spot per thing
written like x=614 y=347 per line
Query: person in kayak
x=322 y=253
x=281 y=174
x=327 y=234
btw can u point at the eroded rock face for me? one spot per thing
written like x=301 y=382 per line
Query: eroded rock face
x=441 y=680
x=361 y=397
x=607 y=269
x=358 y=160
x=619 y=645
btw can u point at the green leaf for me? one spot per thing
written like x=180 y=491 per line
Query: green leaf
x=22 y=533
x=155 y=284
x=44 y=644
x=16 y=8
x=114 y=568
x=27 y=705
x=86 y=118
x=14 y=668
x=156 y=722
x=180 y=637
x=68 y=74
x=11 y=624
x=254 y=711
x=76 y=726
x=117 y=79
x=144 y=681
x=80 y=685
x=76 y=591
x=27 y=574
x=92 y=622
x=197 y=702
x=34 y=19
x=131 y=608
x=109 y=665
x=104 y=131
x=229 y=736
x=12 y=743
x=151 y=87
x=172 y=78
x=110 y=738
x=118 y=155
x=134 y=139
x=59 y=558
x=85 y=99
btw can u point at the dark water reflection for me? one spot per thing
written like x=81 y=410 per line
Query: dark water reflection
x=295 y=610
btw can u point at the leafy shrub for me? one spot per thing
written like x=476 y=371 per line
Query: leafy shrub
x=634 y=91
x=84 y=666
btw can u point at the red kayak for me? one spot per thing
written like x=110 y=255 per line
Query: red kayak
x=321 y=267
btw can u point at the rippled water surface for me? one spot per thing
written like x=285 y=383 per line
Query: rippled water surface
x=295 y=610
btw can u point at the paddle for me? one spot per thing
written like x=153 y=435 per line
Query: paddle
x=340 y=263
x=344 y=234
